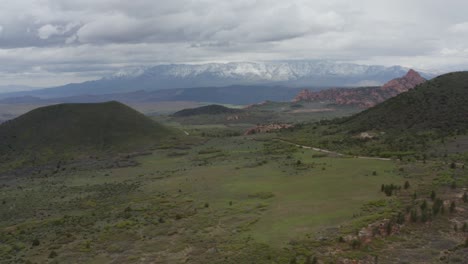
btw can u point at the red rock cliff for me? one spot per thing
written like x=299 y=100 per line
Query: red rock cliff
x=364 y=96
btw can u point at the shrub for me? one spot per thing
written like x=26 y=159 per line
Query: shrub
x=36 y=242
x=414 y=215
x=453 y=185
x=356 y=243
x=452 y=207
x=53 y=254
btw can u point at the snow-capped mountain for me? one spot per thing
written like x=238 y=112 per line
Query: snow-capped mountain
x=311 y=73
x=292 y=74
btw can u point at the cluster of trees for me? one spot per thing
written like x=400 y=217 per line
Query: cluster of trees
x=221 y=134
x=426 y=212
x=390 y=189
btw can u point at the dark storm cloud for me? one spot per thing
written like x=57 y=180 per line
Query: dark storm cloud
x=71 y=39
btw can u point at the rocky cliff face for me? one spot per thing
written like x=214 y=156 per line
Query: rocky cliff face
x=364 y=97
x=405 y=83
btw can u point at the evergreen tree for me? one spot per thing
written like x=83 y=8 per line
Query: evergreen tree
x=424 y=205
x=400 y=218
x=407 y=185
x=436 y=206
x=453 y=165
x=452 y=207
x=414 y=215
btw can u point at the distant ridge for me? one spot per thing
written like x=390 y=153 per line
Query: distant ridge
x=295 y=74
x=236 y=94
x=364 y=97
x=207 y=110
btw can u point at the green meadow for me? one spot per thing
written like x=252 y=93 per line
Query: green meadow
x=228 y=195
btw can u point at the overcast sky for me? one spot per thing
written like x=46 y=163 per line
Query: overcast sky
x=51 y=42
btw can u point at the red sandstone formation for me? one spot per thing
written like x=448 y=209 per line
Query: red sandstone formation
x=364 y=97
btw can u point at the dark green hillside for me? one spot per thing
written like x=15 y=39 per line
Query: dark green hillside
x=440 y=104
x=410 y=124
x=207 y=110
x=79 y=127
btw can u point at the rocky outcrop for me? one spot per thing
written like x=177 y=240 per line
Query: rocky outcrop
x=267 y=128
x=403 y=84
x=364 y=97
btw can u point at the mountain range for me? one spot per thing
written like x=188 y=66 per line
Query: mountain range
x=15 y=88
x=235 y=94
x=280 y=73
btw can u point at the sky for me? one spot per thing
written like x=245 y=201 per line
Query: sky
x=52 y=42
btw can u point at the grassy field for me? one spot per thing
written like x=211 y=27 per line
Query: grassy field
x=215 y=196
x=221 y=194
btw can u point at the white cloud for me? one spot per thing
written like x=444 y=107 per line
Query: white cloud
x=447 y=51
x=47 y=31
x=50 y=30
x=72 y=40
x=459 y=28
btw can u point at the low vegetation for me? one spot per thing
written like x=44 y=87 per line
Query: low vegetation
x=206 y=193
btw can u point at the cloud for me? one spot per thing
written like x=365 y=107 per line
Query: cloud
x=69 y=40
x=459 y=28
x=46 y=31
x=49 y=30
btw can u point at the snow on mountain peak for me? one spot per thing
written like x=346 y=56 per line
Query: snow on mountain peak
x=265 y=72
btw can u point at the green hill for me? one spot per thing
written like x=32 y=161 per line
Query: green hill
x=207 y=110
x=413 y=123
x=79 y=128
x=440 y=104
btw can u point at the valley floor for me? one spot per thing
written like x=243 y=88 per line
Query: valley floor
x=227 y=200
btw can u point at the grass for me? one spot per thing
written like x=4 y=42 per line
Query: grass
x=222 y=199
x=66 y=131
x=313 y=199
x=173 y=198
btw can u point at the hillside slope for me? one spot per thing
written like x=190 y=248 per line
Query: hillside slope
x=440 y=104
x=413 y=123
x=79 y=127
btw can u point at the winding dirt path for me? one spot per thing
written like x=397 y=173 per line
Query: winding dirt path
x=331 y=152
